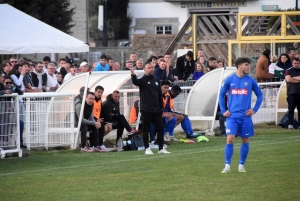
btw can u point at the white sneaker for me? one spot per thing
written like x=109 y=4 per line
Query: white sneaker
x=166 y=139
x=104 y=148
x=152 y=142
x=163 y=151
x=241 y=168
x=172 y=138
x=290 y=127
x=148 y=151
x=226 y=169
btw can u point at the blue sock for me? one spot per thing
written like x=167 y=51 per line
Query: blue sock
x=189 y=125
x=244 y=153
x=171 y=126
x=185 y=127
x=228 y=153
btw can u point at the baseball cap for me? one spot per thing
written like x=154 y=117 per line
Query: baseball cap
x=129 y=61
x=83 y=63
x=73 y=65
x=69 y=61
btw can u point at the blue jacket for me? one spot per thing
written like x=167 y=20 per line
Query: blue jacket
x=160 y=74
x=197 y=75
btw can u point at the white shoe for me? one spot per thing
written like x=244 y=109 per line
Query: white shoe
x=241 y=168
x=226 y=169
x=163 y=151
x=166 y=139
x=148 y=151
x=290 y=127
x=104 y=148
x=172 y=138
x=152 y=142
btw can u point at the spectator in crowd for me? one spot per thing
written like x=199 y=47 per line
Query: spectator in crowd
x=52 y=84
x=292 y=78
x=153 y=61
x=13 y=61
x=220 y=63
x=160 y=72
x=46 y=60
x=102 y=64
x=62 y=63
x=284 y=63
x=133 y=58
x=169 y=67
x=296 y=48
x=72 y=73
x=88 y=123
x=199 y=72
x=292 y=54
x=3 y=89
x=58 y=78
x=64 y=70
x=39 y=78
x=212 y=64
x=262 y=67
x=185 y=66
x=110 y=112
x=84 y=67
x=139 y=64
x=159 y=58
x=116 y=66
x=201 y=58
x=222 y=118
x=129 y=65
x=105 y=128
x=6 y=67
x=27 y=80
x=150 y=106
x=110 y=63
x=17 y=75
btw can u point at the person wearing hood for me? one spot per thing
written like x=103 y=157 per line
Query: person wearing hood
x=185 y=66
x=262 y=67
x=110 y=113
x=39 y=77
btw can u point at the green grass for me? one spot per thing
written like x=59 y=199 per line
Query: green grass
x=190 y=172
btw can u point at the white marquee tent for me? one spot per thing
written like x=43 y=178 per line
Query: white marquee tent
x=23 y=34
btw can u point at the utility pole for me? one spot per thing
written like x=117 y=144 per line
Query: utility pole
x=105 y=24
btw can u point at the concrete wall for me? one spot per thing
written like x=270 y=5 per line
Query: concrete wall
x=79 y=31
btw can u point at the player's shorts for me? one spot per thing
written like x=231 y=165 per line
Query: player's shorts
x=239 y=126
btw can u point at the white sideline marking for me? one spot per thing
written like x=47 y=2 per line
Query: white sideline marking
x=136 y=159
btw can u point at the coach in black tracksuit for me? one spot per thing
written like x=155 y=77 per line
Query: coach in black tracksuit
x=151 y=104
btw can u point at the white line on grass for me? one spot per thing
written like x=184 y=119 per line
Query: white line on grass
x=217 y=148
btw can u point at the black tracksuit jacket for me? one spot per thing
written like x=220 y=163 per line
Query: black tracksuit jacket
x=150 y=93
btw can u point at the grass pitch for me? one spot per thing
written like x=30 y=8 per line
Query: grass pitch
x=190 y=172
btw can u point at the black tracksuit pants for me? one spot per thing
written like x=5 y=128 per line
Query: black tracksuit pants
x=293 y=101
x=157 y=120
x=120 y=125
x=84 y=128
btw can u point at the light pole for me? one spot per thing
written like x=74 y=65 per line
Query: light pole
x=105 y=24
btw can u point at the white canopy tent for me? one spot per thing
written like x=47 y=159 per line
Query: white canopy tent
x=23 y=34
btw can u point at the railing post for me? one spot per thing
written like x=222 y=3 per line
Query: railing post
x=27 y=113
x=72 y=122
x=283 y=25
x=195 y=35
x=229 y=53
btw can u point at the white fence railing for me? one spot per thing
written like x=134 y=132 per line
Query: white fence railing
x=10 y=125
x=49 y=120
x=50 y=117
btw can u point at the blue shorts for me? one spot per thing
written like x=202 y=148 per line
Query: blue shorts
x=241 y=126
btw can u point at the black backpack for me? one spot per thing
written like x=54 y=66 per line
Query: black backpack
x=284 y=122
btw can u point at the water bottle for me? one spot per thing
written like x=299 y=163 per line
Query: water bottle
x=125 y=147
